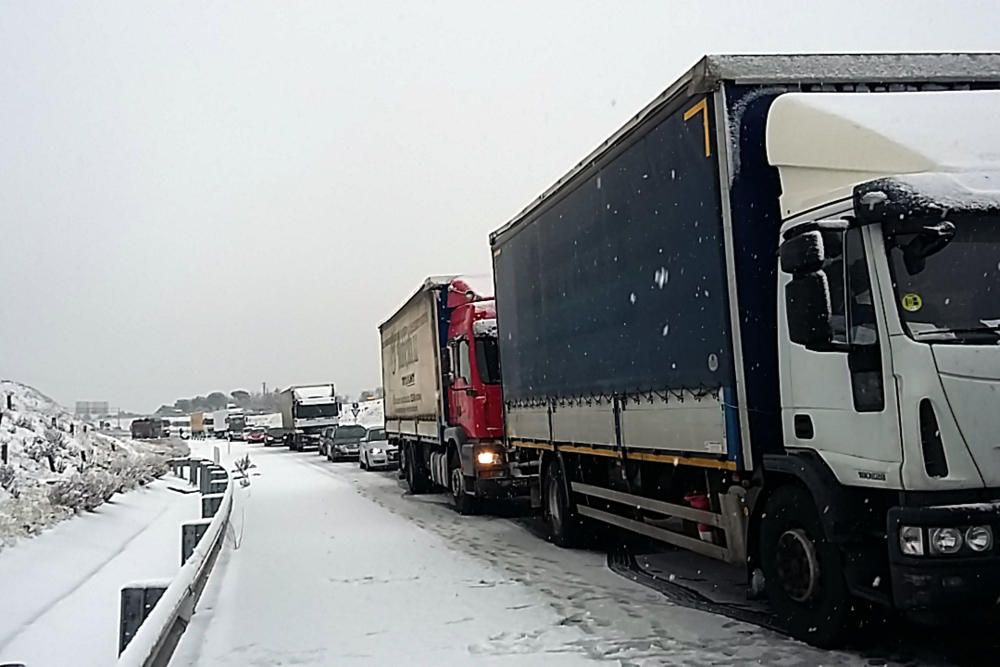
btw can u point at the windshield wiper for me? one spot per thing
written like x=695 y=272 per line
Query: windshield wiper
x=971 y=334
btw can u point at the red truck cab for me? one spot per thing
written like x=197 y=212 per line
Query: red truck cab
x=474 y=395
x=443 y=402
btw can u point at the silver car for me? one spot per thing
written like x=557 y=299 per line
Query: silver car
x=343 y=442
x=376 y=451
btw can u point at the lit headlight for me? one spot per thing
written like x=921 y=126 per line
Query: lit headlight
x=911 y=540
x=945 y=540
x=979 y=538
x=487 y=458
x=376 y=450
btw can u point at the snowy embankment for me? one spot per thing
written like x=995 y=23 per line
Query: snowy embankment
x=57 y=465
x=370 y=413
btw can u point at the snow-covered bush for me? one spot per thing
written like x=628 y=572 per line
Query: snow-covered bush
x=53 y=473
x=8 y=479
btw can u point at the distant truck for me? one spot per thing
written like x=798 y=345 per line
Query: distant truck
x=305 y=411
x=236 y=424
x=443 y=405
x=229 y=423
x=147 y=428
x=761 y=322
x=197 y=425
x=220 y=423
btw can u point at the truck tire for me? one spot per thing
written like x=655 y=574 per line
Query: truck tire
x=565 y=525
x=464 y=504
x=803 y=571
x=416 y=476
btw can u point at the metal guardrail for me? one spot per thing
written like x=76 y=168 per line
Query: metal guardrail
x=160 y=632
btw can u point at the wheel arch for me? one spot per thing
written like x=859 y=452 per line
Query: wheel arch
x=559 y=459
x=456 y=437
x=807 y=470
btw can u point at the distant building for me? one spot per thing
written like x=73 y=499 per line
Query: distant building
x=88 y=409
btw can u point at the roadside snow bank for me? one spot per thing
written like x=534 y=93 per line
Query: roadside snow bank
x=58 y=465
x=370 y=414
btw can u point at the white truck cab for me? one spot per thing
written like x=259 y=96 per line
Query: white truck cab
x=888 y=316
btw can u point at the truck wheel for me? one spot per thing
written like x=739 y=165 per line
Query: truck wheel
x=564 y=523
x=465 y=504
x=416 y=477
x=803 y=572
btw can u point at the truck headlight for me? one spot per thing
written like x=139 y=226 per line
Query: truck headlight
x=911 y=540
x=945 y=540
x=979 y=538
x=487 y=458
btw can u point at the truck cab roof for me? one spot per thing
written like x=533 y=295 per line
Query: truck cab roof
x=826 y=143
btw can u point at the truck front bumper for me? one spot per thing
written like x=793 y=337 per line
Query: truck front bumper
x=499 y=484
x=945 y=583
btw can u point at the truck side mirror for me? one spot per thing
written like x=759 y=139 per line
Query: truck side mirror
x=446 y=360
x=807 y=306
x=932 y=239
x=803 y=253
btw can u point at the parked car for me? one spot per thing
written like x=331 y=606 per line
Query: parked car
x=256 y=434
x=343 y=442
x=275 y=436
x=376 y=451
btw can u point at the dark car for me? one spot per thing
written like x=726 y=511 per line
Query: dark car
x=343 y=442
x=275 y=436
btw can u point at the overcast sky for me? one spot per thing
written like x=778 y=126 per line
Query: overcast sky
x=211 y=195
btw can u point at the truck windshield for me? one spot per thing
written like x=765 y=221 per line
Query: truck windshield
x=952 y=294
x=488 y=359
x=316 y=411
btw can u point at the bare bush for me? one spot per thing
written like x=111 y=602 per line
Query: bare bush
x=8 y=480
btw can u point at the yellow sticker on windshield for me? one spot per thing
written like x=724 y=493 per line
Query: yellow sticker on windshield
x=912 y=302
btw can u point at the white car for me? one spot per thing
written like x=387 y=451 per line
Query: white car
x=376 y=452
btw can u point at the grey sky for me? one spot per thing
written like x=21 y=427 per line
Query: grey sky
x=207 y=195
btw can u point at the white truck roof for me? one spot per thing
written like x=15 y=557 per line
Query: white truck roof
x=826 y=143
x=313 y=394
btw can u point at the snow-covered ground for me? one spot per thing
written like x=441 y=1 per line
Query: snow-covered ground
x=60 y=590
x=369 y=413
x=339 y=566
x=58 y=466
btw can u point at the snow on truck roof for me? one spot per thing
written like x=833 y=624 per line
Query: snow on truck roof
x=304 y=393
x=792 y=69
x=480 y=284
x=826 y=143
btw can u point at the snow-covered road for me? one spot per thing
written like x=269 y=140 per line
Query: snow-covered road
x=59 y=592
x=339 y=566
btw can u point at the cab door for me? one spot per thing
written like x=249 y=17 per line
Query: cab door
x=842 y=402
x=461 y=391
